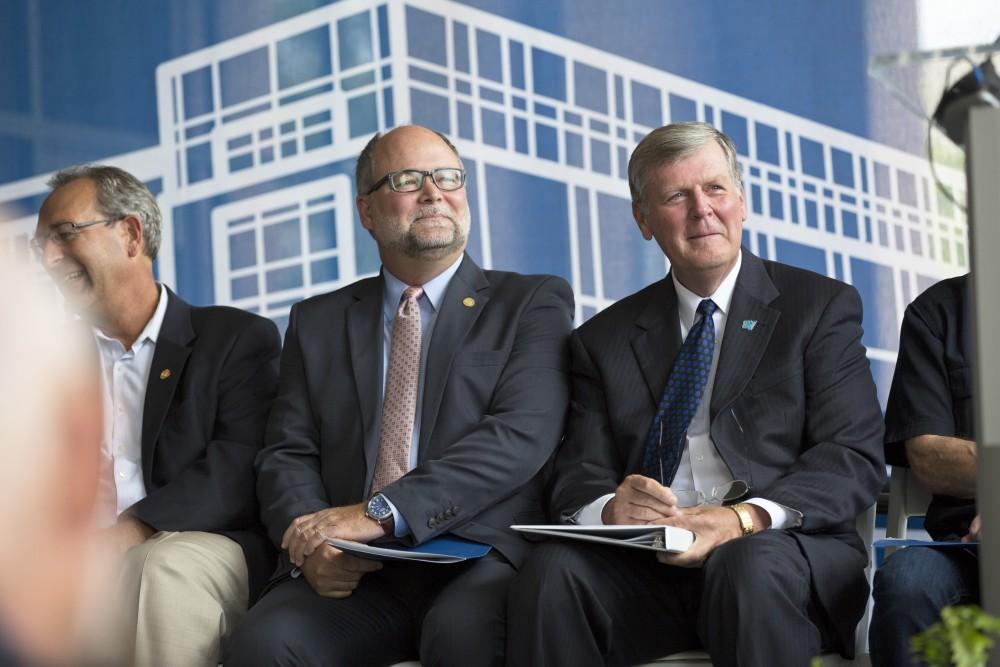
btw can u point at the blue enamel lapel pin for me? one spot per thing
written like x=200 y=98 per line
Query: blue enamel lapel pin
x=748 y=325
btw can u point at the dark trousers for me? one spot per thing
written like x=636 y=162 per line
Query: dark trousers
x=439 y=614
x=751 y=604
x=910 y=589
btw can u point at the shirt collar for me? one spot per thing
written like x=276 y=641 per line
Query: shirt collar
x=152 y=328
x=687 y=301
x=434 y=288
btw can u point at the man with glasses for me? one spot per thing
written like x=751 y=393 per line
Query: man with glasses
x=742 y=380
x=417 y=404
x=186 y=394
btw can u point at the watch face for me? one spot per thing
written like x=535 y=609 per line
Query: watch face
x=378 y=508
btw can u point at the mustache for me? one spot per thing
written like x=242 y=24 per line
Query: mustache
x=432 y=211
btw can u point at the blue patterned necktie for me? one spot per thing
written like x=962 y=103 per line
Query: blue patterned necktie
x=685 y=386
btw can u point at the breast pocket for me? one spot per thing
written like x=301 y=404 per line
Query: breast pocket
x=787 y=374
x=481 y=358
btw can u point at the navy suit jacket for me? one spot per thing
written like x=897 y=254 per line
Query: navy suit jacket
x=793 y=412
x=203 y=423
x=496 y=387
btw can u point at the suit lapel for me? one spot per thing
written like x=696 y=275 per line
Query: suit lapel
x=658 y=337
x=453 y=322
x=749 y=326
x=173 y=347
x=364 y=337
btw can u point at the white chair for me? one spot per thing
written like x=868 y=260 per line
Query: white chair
x=866 y=529
x=906 y=498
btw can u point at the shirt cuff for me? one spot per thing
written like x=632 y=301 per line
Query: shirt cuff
x=781 y=516
x=589 y=515
x=402 y=529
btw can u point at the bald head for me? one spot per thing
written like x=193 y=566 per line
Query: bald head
x=368 y=172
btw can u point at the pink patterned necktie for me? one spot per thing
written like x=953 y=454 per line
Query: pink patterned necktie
x=400 y=405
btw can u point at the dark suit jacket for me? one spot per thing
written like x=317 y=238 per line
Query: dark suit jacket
x=203 y=424
x=495 y=392
x=793 y=411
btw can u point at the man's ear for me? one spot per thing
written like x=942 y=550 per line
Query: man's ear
x=640 y=219
x=134 y=234
x=363 y=202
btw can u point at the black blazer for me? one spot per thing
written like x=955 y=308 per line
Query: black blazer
x=211 y=383
x=496 y=387
x=793 y=412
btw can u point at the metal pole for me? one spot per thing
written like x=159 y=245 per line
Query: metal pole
x=983 y=173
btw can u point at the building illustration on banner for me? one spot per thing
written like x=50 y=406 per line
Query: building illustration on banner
x=259 y=134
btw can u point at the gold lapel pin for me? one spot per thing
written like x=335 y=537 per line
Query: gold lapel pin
x=165 y=373
x=468 y=302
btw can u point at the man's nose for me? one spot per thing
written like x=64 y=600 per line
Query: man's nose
x=701 y=205
x=48 y=252
x=429 y=191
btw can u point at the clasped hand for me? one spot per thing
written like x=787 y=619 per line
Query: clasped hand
x=330 y=571
x=309 y=531
x=641 y=500
x=975 y=530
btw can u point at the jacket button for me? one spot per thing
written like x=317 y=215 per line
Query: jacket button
x=431 y=522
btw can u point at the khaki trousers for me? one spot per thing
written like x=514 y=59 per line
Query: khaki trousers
x=182 y=594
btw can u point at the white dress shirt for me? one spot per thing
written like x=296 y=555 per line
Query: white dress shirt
x=430 y=304
x=124 y=375
x=702 y=467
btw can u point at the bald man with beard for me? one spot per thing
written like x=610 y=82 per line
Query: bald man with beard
x=452 y=446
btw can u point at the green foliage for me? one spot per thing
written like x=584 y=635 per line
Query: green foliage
x=962 y=638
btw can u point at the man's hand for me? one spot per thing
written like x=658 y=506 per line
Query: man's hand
x=639 y=500
x=309 y=531
x=126 y=533
x=975 y=530
x=334 y=574
x=712 y=527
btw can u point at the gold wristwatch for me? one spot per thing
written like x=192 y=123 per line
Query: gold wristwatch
x=746 y=519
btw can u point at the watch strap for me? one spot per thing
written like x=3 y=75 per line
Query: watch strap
x=746 y=519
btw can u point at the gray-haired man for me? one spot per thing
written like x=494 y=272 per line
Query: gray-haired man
x=769 y=392
x=186 y=393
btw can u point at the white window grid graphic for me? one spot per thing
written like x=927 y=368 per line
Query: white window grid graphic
x=926 y=237
x=256 y=215
x=907 y=238
x=253 y=145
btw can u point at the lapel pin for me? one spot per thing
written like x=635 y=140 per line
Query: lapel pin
x=468 y=302
x=165 y=373
x=748 y=325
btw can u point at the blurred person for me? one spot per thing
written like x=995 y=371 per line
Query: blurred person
x=186 y=391
x=50 y=435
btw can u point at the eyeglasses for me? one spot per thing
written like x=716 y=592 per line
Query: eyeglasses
x=723 y=494
x=411 y=180
x=63 y=234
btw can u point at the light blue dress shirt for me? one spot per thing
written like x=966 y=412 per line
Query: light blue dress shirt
x=430 y=303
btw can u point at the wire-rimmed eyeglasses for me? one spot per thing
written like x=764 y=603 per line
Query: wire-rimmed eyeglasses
x=63 y=234
x=724 y=494
x=411 y=180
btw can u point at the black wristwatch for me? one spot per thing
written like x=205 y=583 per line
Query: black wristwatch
x=378 y=509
